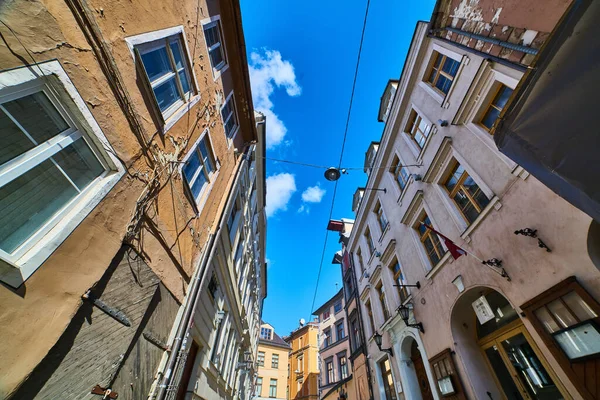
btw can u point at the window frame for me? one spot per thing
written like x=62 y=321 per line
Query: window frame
x=338 y=325
x=260 y=358
x=490 y=104
x=259 y=382
x=369 y=310
x=370 y=243
x=396 y=171
x=146 y=39
x=385 y=374
x=398 y=276
x=328 y=339
x=51 y=79
x=342 y=367
x=208 y=23
x=452 y=166
x=380 y=213
x=329 y=373
x=198 y=202
x=273 y=385
x=435 y=54
x=335 y=306
x=428 y=234
x=275 y=360
x=383 y=301
x=234 y=114
x=413 y=126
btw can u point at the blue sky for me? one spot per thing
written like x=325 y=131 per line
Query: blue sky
x=302 y=59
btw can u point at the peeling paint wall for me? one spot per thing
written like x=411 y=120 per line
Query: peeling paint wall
x=526 y=23
x=171 y=235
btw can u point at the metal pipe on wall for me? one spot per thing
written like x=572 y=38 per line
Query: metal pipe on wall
x=508 y=45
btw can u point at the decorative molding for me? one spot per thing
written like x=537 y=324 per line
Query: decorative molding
x=389 y=250
x=375 y=274
x=365 y=292
x=413 y=207
x=473 y=93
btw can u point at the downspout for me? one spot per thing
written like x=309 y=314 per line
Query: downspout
x=508 y=45
x=192 y=300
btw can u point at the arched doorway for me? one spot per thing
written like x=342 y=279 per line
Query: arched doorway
x=413 y=371
x=496 y=348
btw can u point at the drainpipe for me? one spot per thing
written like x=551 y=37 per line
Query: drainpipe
x=508 y=45
x=193 y=298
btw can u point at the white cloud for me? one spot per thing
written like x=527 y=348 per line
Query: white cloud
x=268 y=71
x=280 y=188
x=313 y=194
x=303 y=209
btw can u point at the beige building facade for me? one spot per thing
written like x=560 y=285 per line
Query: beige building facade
x=304 y=365
x=272 y=372
x=508 y=328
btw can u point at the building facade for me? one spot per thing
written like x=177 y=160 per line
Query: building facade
x=507 y=319
x=132 y=190
x=334 y=346
x=272 y=360
x=303 y=363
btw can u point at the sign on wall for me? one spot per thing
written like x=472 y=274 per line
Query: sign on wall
x=483 y=310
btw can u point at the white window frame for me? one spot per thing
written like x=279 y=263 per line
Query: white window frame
x=207 y=23
x=15 y=268
x=145 y=40
x=234 y=114
x=443 y=100
x=212 y=176
x=414 y=148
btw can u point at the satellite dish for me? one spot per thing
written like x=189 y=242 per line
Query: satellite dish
x=302 y=321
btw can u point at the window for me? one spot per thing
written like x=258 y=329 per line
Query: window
x=275 y=361
x=355 y=332
x=442 y=72
x=337 y=307
x=273 y=388
x=231 y=219
x=465 y=193
x=46 y=166
x=261 y=358
x=299 y=388
x=383 y=222
x=388 y=380
x=343 y=366
x=330 y=373
x=369 y=240
x=349 y=287
x=166 y=68
x=301 y=363
x=494 y=108
x=399 y=280
x=383 y=301
x=228 y=113
x=266 y=333
x=445 y=376
x=339 y=330
x=361 y=264
x=418 y=129
x=328 y=340
x=199 y=167
x=239 y=252
x=259 y=386
x=401 y=174
x=213 y=285
x=430 y=240
x=370 y=315
x=214 y=42
x=325 y=315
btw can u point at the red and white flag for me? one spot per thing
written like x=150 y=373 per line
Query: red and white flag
x=453 y=248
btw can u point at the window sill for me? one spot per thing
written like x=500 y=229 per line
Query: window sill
x=177 y=115
x=218 y=72
x=432 y=92
x=403 y=191
x=387 y=228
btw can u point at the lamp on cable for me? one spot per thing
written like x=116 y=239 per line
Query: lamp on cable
x=333 y=174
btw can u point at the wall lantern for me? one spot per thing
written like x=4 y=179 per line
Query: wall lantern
x=404 y=314
x=378 y=338
x=533 y=234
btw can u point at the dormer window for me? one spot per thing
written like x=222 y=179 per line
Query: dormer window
x=387 y=99
x=358 y=195
x=370 y=157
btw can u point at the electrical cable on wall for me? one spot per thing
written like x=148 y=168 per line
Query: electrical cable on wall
x=362 y=37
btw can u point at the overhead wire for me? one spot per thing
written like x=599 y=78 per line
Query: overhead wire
x=362 y=37
x=341 y=168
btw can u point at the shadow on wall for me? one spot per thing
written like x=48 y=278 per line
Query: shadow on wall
x=593 y=243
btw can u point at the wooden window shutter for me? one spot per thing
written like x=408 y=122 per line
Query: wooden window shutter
x=146 y=82
x=442 y=366
x=584 y=374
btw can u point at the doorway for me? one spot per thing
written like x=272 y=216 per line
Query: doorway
x=515 y=361
x=417 y=360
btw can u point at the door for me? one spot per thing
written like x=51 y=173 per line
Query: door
x=518 y=368
x=422 y=377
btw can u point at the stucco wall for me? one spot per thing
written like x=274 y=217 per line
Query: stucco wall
x=33 y=316
x=267 y=372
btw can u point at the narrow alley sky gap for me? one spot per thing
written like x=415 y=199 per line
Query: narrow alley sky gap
x=302 y=61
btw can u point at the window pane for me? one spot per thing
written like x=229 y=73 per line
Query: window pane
x=490 y=117
x=581 y=309
x=37 y=115
x=206 y=157
x=177 y=56
x=13 y=141
x=502 y=96
x=546 y=319
x=166 y=94
x=156 y=63
x=443 y=84
x=79 y=163
x=216 y=57
x=191 y=166
x=212 y=35
x=29 y=201
x=185 y=84
x=564 y=317
x=199 y=184
x=450 y=66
